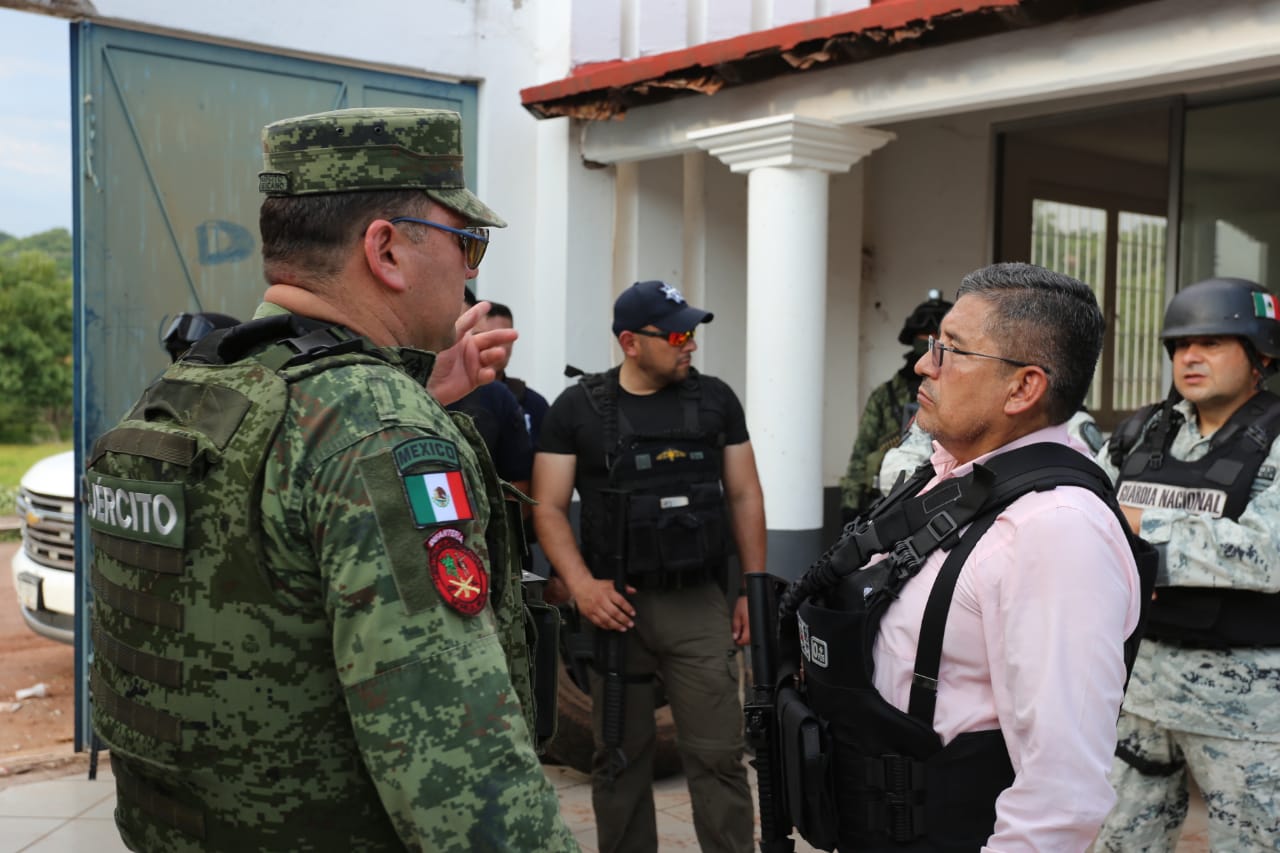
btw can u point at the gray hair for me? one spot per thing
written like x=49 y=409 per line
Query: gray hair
x=1045 y=318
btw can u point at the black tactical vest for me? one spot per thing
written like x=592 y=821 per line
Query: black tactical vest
x=861 y=774
x=662 y=519
x=1220 y=485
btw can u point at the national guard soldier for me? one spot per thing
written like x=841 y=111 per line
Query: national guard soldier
x=889 y=411
x=662 y=460
x=307 y=625
x=1196 y=476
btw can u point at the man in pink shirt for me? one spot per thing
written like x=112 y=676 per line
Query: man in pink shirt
x=1003 y=740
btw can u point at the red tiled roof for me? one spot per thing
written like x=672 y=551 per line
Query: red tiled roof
x=607 y=89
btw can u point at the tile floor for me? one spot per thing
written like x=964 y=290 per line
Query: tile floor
x=73 y=815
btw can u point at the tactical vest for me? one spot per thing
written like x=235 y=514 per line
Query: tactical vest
x=1220 y=485
x=662 y=519
x=861 y=774
x=186 y=622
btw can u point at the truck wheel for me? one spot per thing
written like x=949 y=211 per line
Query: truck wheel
x=572 y=746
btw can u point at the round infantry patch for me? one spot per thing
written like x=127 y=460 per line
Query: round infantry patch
x=457 y=571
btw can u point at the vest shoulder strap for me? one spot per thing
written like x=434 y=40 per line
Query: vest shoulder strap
x=278 y=341
x=1127 y=435
x=1257 y=422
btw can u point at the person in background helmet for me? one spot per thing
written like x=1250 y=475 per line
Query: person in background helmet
x=186 y=329
x=889 y=410
x=1196 y=476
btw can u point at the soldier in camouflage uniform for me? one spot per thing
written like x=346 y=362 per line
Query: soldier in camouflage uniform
x=916 y=447
x=889 y=411
x=1197 y=477
x=307 y=624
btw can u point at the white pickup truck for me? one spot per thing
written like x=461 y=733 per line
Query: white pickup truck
x=44 y=568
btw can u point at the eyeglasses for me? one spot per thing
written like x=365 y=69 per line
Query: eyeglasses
x=473 y=241
x=937 y=348
x=676 y=339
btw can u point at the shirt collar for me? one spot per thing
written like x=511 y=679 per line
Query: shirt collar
x=945 y=466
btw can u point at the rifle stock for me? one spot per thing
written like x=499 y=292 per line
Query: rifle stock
x=612 y=645
x=761 y=715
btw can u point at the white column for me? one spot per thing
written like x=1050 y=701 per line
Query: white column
x=787 y=160
x=694 y=234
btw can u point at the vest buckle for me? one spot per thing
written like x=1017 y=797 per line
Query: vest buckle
x=903 y=782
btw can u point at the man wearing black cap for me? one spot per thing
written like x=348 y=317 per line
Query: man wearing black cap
x=889 y=410
x=661 y=459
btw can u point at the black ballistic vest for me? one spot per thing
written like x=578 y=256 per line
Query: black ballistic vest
x=662 y=519
x=876 y=778
x=1220 y=484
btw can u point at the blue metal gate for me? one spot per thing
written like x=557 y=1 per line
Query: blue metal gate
x=166 y=141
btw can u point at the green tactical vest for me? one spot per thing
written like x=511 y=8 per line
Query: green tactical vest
x=187 y=632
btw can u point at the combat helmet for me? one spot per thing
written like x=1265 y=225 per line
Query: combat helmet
x=1225 y=306
x=926 y=319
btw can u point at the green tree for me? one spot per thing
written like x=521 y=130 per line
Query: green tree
x=35 y=347
x=56 y=243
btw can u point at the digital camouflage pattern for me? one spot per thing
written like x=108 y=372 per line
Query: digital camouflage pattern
x=913 y=451
x=881 y=428
x=371 y=148
x=1198 y=695
x=916 y=447
x=1239 y=783
x=294 y=680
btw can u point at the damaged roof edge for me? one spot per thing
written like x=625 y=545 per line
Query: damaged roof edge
x=607 y=90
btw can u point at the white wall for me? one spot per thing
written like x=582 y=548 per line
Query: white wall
x=845 y=396
x=605 y=30
x=724 y=344
x=928 y=208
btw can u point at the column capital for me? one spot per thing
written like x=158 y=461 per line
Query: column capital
x=789 y=140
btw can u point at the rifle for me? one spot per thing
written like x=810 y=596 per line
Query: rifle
x=611 y=646
x=761 y=714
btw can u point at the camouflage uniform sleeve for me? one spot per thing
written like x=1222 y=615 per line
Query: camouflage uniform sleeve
x=435 y=718
x=1103 y=458
x=1199 y=550
x=879 y=425
x=915 y=450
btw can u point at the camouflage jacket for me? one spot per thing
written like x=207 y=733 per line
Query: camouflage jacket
x=1230 y=694
x=881 y=428
x=342 y=685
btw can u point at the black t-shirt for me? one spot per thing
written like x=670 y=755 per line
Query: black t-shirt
x=572 y=426
x=500 y=422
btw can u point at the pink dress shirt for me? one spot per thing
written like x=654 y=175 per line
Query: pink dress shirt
x=1033 y=647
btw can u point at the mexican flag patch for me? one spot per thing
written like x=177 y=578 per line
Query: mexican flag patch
x=437 y=498
x=1266 y=305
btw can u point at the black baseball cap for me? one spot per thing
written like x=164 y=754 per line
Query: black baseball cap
x=655 y=303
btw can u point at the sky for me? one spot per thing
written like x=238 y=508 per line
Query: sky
x=35 y=123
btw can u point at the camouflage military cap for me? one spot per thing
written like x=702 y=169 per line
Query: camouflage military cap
x=364 y=149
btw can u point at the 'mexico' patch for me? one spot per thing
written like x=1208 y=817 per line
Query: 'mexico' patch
x=440 y=451
x=457 y=572
x=435 y=496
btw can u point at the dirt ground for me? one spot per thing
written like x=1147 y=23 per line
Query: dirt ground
x=36 y=734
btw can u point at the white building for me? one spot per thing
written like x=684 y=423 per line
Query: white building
x=808 y=170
